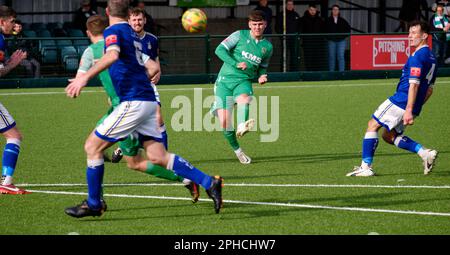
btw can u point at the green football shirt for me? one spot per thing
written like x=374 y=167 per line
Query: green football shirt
x=239 y=47
x=90 y=56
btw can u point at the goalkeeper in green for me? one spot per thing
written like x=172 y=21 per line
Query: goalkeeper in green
x=246 y=55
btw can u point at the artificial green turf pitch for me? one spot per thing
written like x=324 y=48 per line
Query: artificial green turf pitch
x=321 y=127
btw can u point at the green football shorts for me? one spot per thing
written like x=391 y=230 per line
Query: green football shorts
x=226 y=93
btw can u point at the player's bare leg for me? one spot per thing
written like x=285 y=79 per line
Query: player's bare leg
x=244 y=123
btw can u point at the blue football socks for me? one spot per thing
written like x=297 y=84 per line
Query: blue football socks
x=407 y=143
x=94 y=175
x=183 y=168
x=369 y=146
x=10 y=156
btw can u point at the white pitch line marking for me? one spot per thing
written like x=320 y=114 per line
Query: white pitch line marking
x=258 y=203
x=210 y=88
x=243 y=185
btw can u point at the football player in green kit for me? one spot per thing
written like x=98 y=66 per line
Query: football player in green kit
x=246 y=55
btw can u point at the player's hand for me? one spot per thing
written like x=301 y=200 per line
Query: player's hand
x=262 y=79
x=408 y=118
x=242 y=66
x=76 y=85
x=16 y=58
x=156 y=77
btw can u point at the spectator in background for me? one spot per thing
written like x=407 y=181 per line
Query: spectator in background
x=336 y=43
x=292 y=27
x=439 y=24
x=82 y=15
x=410 y=10
x=150 y=26
x=263 y=6
x=94 y=5
x=444 y=3
x=314 y=48
x=32 y=66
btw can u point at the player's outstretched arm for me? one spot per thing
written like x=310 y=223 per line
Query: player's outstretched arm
x=13 y=61
x=224 y=55
x=152 y=67
x=224 y=48
x=155 y=78
x=408 y=118
x=76 y=85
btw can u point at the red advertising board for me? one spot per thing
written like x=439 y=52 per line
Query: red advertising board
x=379 y=52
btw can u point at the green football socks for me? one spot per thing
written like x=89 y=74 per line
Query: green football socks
x=231 y=138
x=162 y=173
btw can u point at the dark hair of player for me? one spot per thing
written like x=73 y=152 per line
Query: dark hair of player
x=135 y=11
x=256 y=15
x=7 y=12
x=424 y=27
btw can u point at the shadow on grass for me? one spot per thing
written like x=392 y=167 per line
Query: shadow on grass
x=306 y=158
x=151 y=215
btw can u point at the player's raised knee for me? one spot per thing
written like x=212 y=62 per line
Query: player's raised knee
x=13 y=133
x=373 y=125
x=243 y=99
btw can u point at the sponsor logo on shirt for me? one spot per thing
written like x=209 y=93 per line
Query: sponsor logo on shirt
x=415 y=71
x=251 y=57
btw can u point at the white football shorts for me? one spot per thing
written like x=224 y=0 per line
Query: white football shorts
x=6 y=120
x=131 y=117
x=390 y=116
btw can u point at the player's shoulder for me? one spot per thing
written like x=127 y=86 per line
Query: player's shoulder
x=121 y=26
x=424 y=50
x=243 y=32
x=150 y=36
x=90 y=49
x=425 y=54
x=267 y=44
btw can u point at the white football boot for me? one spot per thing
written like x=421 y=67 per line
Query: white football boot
x=360 y=171
x=243 y=128
x=243 y=158
x=428 y=160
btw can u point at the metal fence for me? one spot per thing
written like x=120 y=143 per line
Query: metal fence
x=59 y=56
x=195 y=54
